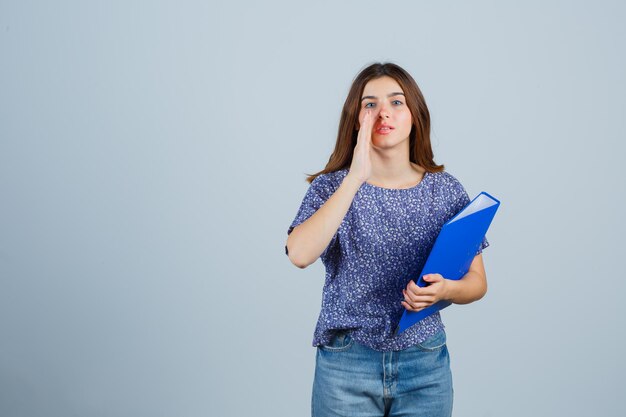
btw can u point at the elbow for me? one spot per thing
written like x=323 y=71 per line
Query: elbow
x=481 y=295
x=483 y=290
x=295 y=258
x=299 y=262
x=300 y=265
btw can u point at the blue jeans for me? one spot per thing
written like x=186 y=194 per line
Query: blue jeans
x=353 y=380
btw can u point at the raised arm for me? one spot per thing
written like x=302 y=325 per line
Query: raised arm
x=307 y=241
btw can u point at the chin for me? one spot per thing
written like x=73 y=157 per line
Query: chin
x=385 y=142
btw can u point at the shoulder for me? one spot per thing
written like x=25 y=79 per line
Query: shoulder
x=448 y=187
x=446 y=181
x=448 y=193
x=329 y=182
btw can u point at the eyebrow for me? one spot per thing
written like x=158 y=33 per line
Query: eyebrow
x=388 y=95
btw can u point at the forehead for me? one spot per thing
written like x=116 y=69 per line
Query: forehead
x=381 y=86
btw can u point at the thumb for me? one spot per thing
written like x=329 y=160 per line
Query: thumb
x=431 y=278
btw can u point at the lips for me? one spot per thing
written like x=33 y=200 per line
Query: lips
x=384 y=128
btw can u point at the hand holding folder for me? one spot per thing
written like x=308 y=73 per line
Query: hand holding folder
x=454 y=250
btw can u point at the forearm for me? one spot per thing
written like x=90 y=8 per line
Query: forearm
x=471 y=287
x=308 y=240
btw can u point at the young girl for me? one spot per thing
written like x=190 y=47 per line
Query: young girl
x=372 y=216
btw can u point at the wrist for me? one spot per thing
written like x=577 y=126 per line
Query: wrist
x=451 y=289
x=353 y=181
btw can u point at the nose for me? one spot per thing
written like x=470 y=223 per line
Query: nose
x=384 y=113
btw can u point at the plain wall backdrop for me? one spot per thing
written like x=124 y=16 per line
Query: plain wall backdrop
x=153 y=155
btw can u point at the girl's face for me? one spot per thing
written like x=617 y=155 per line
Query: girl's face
x=385 y=99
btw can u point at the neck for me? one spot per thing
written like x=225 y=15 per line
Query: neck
x=393 y=167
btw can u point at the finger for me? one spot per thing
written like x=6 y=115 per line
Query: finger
x=426 y=293
x=410 y=297
x=433 y=277
x=364 y=139
x=414 y=286
x=363 y=127
x=428 y=299
x=415 y=306
x=407 y=306
x=419 y=297
x=366 y=117
x=416 y=289
x=411 y=294
x=369 y=123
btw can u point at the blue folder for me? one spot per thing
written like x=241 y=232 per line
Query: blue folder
x=454 y=250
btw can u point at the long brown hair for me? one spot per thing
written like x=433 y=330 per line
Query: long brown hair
x=421 y=152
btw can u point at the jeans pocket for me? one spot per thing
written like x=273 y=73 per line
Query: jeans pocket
x=434 y=342
x=340 y=342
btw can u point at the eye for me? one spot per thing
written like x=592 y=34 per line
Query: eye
x=397 y=101
x=368 y=104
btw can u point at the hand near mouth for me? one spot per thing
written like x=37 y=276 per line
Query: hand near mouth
x=361 y=166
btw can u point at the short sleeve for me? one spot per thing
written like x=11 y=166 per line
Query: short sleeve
x=461 y=200
x=320 y=189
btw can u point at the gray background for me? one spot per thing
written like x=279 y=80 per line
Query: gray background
x=152 y=156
